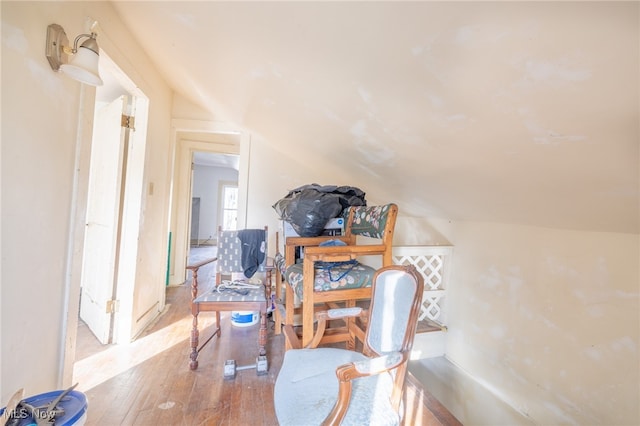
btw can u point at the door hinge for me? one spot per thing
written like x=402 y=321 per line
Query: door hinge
x=128 y=122
x=113 y=306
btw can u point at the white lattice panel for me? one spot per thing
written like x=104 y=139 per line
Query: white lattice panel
x=432 y=263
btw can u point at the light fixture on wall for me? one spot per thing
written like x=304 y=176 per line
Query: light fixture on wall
x=83 y=65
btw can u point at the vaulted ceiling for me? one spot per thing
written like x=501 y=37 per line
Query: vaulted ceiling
x=514 y=112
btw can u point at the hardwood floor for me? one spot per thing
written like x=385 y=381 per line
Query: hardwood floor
x=148 y=382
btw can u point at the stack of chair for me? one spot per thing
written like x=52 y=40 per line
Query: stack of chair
x=327 y=276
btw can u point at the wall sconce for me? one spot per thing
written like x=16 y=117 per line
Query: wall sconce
x=83 y=65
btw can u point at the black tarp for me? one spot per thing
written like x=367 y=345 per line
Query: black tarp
x=309 y=207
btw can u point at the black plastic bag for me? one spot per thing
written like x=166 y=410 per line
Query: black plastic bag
x=309 y=207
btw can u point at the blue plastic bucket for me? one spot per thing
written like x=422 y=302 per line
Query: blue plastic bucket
x=244 y=318
x=74 y=405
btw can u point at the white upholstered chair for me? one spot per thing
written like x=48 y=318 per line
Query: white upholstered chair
x=338 y=386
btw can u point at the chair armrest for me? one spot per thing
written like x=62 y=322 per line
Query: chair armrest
x=290 y=244
x=333 y=314
x=338 y=313
x=353 y=370
x=291 y=336
x=376 y=365
x=312 y=241
x=321 y=317
x=322 y=253
x=201 y=263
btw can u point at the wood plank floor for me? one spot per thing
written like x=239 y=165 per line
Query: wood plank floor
x=148 y=382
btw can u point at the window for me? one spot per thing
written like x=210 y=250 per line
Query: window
x=229 y=204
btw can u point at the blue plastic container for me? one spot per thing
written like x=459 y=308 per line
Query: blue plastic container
x=74 y=405
x=244 y=318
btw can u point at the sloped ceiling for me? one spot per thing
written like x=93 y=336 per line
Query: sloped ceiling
x=514 y=112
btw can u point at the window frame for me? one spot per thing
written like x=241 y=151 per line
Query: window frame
x=223 y=186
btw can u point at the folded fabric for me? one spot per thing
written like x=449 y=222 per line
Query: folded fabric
x=253 y=250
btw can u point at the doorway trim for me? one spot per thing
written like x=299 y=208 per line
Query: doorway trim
x=222 y=138
x=80 y=194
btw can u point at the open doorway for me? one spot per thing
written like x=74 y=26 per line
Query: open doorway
x=112 y=220
x=214 y=195
x=210 y=159
x=214 y=203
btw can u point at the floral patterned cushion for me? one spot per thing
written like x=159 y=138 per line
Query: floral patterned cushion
x=370 y=221
x=337 y=277
x=280 y=263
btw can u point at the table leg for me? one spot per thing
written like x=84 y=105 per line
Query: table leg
x=262 y=338
x=194 y=330
x=194 y=339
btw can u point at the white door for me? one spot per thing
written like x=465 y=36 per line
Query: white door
x=102 y=221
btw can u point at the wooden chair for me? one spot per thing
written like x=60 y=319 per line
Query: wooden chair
x=234 y=259
x=337 y=386
x=326 y=276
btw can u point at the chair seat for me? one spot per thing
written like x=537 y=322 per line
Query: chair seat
x=338 y=277
x=307 y=388
x=256 y=294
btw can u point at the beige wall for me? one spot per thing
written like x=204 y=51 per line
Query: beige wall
x=548 y=320
x=46 y=131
